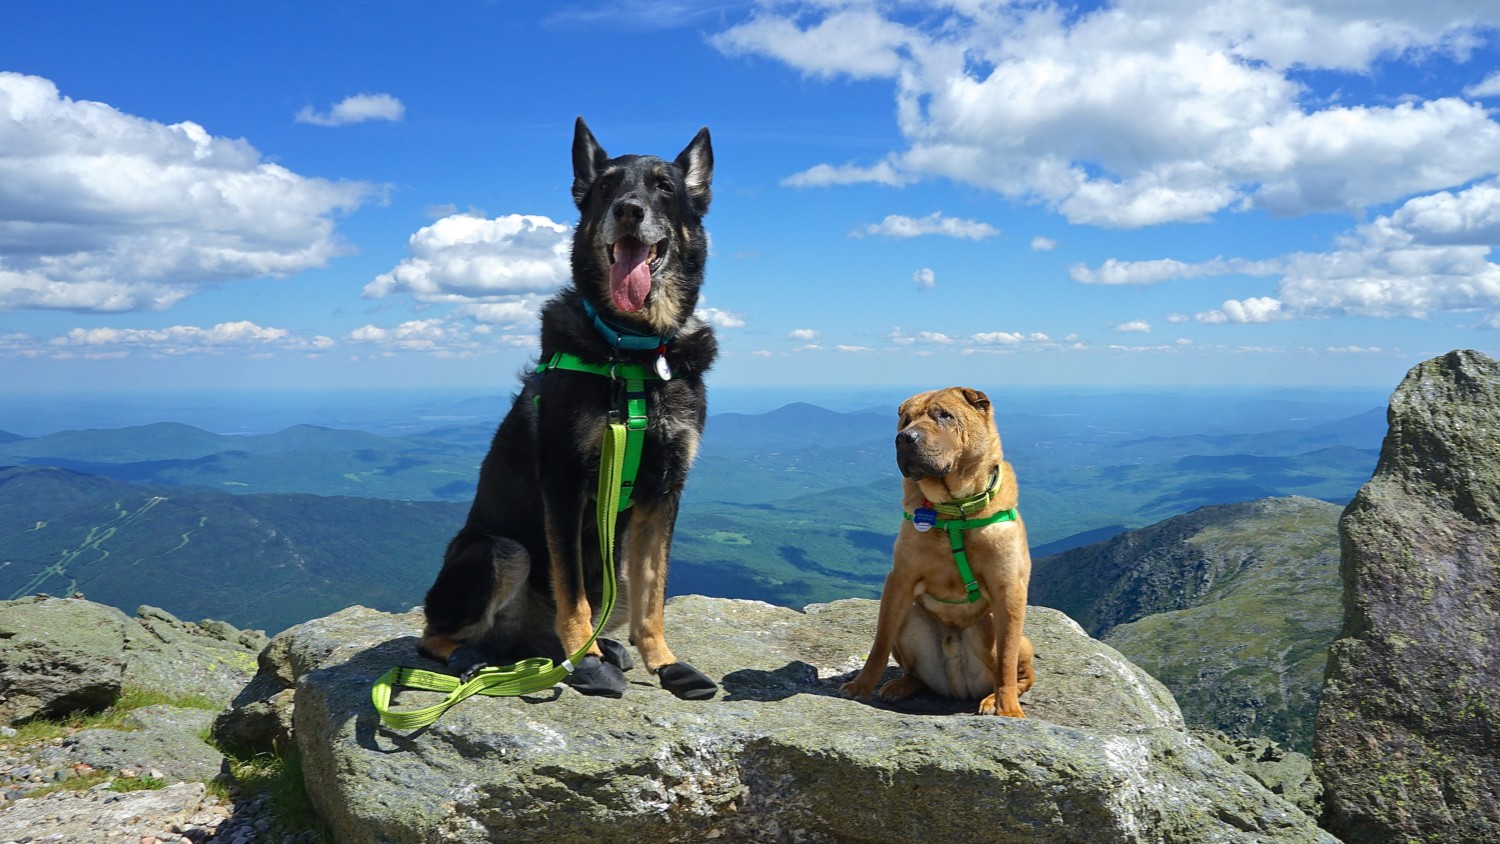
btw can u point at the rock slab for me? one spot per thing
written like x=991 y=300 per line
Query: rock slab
x=777 y=756
x=1408 y=729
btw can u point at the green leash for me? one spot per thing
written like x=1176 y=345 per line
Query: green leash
x=926 y=518
x=619 y=459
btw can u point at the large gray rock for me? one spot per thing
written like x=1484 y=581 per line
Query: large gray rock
x=1408 y=732
x=778 y=756
x=64 y=655
x=59 y=656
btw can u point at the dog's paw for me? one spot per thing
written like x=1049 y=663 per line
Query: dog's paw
x=686 y=682
x=594 y=676
x=856 y=689
x=900 y=688
x=992 y=706
x=467 y=661
x=616 y=654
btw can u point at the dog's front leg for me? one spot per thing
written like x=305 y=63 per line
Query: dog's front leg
x=648 y=544
x=1008 y=611
x=565 y=509
x=895 y=604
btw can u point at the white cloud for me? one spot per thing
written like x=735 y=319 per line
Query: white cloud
x=924 y=278
x=104 y=211
x=1135 y=326
x=1489 y=87
x=719 y=318
x=1142 y=112
x=856 y=42
x=1043 y=244
x=356 y=109
x=172 y=341
x=852 y=349
x=1002 y=338
x=807 y=335
x=439 y=337
x=897 y=225
x=1259 y=309
x=506 y=265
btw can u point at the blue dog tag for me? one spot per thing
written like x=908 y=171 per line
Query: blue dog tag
x=663 y=371
x=923 y=519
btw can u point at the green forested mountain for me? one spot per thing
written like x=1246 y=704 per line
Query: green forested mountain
x=1232 y=607
x=261 y=561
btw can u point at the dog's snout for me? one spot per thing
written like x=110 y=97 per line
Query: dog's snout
x=629 y=212
x=908 y=438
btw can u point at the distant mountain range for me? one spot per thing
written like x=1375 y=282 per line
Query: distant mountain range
x=793 y=506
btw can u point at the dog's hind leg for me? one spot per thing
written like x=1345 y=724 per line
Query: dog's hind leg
x=648 y=542
x=477 y=588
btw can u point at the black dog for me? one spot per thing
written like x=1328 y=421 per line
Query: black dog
x=521 y=577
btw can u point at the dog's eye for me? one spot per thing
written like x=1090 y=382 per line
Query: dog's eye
x=665 y=186
x=944 y=416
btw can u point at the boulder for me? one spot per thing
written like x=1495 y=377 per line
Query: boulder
x=1408 y=729
x=59 y=655
x=65 y=655
x=777 y=756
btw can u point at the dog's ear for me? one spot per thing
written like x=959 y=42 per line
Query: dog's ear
x=697 y=165
x=588 y=159
x=979 y=400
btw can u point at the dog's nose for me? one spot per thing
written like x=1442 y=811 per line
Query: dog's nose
x=908 y=438
x=629 y=211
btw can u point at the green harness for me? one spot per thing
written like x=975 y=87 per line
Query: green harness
x=925 y=518
x=619 y=460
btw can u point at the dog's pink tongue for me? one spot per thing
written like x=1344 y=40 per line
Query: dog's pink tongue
x=630 y=275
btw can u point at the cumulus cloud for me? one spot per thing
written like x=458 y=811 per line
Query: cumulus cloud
x=720 y=318
x=897 y=225
x=1143 y=112
x=506 y=264
x=1135 y=326
x=172 y=341
x=439 y=337
x=1489 y=87
x=1431 y=255
x=107 y=212
x=1043 y=244
x=356 y=109
x=806 y=335
x=924 y=278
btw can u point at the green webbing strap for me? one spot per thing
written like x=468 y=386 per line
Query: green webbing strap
x=956 y=528
x=528 y=675
x=635 y=376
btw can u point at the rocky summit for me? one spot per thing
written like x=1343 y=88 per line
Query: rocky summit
x=1408 y=732
x=777 y=756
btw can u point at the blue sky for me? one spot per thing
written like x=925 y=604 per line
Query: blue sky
x=1147 y=192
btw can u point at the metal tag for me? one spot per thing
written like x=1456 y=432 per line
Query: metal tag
x=923 y=519
x=663 y=371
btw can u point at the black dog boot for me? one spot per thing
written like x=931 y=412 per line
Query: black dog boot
x=686 y=682
x=616 y=654
x=594 y=676
x=467 y=661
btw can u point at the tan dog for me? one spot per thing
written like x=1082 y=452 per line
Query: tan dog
x=941 y=623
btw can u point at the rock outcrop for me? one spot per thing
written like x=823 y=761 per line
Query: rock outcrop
x=64 y=655
x=778 y=756
x=1408 y=732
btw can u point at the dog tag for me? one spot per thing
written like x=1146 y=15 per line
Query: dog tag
x=663 y=371
x=923 y=519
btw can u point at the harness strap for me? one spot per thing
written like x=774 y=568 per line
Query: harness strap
x=955 y=529
x=634 y=376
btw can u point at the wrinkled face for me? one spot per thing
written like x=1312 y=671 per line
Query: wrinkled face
x=942 y=430
x=640 y=246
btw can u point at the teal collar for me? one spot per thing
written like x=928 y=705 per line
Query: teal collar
x=620 y=337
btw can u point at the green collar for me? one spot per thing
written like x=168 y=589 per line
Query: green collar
x=956 y=527
x=962 y=507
